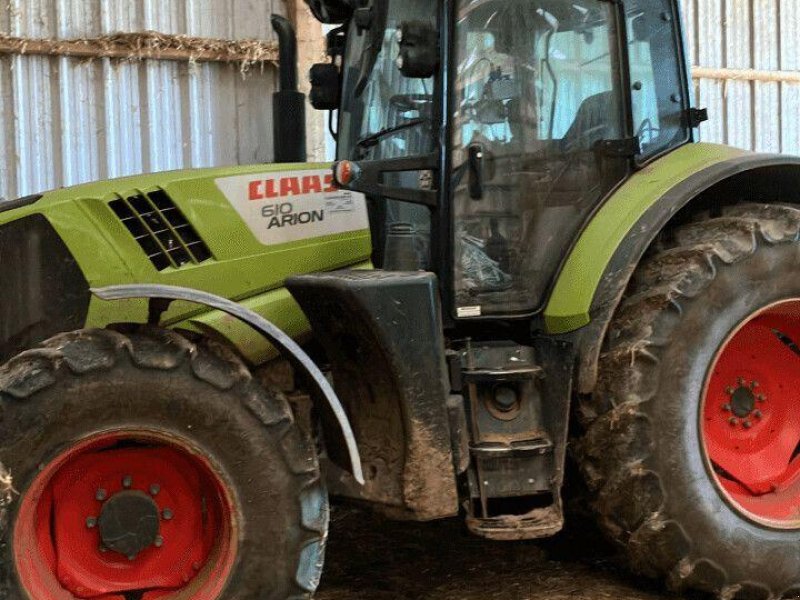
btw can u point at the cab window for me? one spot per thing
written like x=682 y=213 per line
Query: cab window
x=658 y=98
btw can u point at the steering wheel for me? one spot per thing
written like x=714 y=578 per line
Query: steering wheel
x=646 y=128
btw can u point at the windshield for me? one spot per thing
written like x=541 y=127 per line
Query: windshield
x=385 y=115
x=376 y=96
x=540 y=92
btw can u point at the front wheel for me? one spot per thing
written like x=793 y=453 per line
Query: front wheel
x=693 y=439
x=145 y=467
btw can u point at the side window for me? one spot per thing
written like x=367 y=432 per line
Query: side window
x=659 y=101
x=578 y=84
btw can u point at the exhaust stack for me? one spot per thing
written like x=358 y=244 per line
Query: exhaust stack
x=288 y=104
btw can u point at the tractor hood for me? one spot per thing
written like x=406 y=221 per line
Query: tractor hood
x=235 y=232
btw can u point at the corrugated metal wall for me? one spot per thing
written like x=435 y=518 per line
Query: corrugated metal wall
x=65 y=120
x=747 y=34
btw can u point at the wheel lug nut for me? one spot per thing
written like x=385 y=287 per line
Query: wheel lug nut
x=155 y=489
x=733 y=421
x=727 y=407
x=729 y=390
x=757 y=414
x=91 y=522
x=740 y=380
x=747 y=424
x=159 y=541
x=754 y=385
x=761 y=397
x=167 y=514
x=101 y=495
x=127 y=481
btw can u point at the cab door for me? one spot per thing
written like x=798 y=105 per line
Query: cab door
x=540 y=138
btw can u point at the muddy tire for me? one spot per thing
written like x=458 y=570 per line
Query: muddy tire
x=648 y=454
x=96 y=426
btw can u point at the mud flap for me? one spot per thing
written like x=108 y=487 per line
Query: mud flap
x=382 y=332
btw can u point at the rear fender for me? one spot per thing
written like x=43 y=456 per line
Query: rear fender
x=288 y=348
x=601 y=264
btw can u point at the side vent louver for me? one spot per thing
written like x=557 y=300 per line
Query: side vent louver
x=168 y=239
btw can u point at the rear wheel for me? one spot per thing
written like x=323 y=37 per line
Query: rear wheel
x=693 y=433
x=145 y=467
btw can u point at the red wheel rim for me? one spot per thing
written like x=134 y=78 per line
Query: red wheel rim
x=750 y=418
x=126 y=515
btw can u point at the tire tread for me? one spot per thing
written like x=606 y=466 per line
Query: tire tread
x=619 y=435
x=79 y=353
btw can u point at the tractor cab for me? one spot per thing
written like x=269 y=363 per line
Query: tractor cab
x=489 y=131
x=485 y=134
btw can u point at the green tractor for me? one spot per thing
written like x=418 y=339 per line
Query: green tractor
x=520 y=255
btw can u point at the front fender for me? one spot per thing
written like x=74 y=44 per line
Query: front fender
x=282 y=342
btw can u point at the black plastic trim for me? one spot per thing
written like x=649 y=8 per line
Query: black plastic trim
x=369 y=180
x=162 y=231
x=623 y=51
x=443 y=245
x=696 y=116
x=625 y=148
x=46 y=292
x=20 y=202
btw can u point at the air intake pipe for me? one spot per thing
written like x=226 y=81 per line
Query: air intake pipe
x=288 y=104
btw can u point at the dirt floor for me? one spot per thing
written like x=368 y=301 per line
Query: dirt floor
x=370 y=558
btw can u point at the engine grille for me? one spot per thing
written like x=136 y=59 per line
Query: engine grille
x=159 y=227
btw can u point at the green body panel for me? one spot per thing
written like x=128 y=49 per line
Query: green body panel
x=242 y=268
x=277 y=305
x=569 y=304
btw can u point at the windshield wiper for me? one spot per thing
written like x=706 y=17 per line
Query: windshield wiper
x=375 y=138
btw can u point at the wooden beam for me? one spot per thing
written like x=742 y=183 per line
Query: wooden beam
x=745 y=75
x=147 y=45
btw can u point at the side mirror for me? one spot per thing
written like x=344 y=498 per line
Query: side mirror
x=419 y=49
x=325 y=86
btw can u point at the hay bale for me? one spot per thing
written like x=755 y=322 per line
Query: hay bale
x=7 y=493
